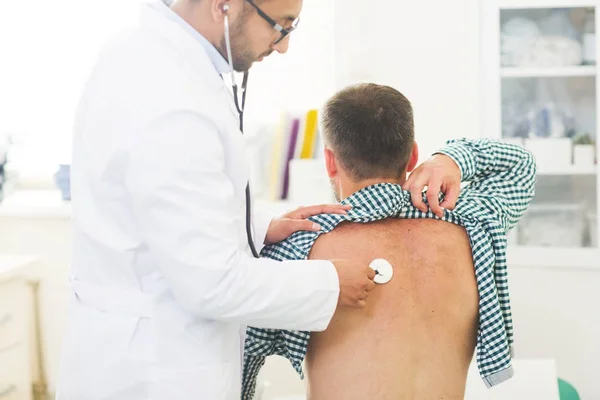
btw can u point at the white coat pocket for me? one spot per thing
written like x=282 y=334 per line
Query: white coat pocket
x=106 y=339
x=198 y=382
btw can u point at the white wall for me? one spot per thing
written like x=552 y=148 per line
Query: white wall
x=47 y=50
x=301 y=79
x=428 y=50
x=556 y=315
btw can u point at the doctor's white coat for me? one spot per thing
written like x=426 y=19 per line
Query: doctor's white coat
x=163 y=284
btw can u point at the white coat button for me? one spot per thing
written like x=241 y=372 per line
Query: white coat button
x=383 y=270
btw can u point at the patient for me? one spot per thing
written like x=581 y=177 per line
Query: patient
x=416 y=337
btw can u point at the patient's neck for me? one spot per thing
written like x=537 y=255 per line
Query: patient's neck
x=349 y=187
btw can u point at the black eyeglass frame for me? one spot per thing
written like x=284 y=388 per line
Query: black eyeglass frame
x=283 y=31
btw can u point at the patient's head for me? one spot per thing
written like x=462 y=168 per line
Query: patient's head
x=369 y=137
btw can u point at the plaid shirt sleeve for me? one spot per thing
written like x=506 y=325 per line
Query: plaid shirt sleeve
x=501 y=186
x=261 y=343
x=501 y=176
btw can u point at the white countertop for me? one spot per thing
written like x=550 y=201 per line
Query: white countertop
x=12 y=266
x=35 y=203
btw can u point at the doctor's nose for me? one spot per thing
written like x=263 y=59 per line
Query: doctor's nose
x=282 y=47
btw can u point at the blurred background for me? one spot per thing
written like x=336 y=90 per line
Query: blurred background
x=523 y=71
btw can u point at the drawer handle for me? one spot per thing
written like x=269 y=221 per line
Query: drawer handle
x=5 y=320
x=8 y=390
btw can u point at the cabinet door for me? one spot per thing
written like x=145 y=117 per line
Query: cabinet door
x=15 y=366
x=540 y=91
x=15 y=379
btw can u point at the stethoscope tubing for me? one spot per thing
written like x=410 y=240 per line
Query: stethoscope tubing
x=240 y=109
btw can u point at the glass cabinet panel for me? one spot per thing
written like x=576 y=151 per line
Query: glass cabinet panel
x=547 y=37
x=548 y=105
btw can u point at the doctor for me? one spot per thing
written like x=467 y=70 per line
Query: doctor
x=163 y=277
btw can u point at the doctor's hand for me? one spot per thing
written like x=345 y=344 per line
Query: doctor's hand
x=282 y=227
x=441 y=175
x=356 y=282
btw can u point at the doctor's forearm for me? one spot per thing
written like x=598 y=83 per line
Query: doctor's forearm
x=189 y=218
x=256 y=292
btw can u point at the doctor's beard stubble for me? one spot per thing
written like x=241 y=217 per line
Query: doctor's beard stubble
x=240 y=44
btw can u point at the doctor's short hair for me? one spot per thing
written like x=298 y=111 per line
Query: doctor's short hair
x=370 y=129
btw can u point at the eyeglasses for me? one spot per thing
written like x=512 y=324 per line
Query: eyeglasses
x=284 y=32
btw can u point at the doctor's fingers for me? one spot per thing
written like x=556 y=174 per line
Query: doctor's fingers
x=296 y=225
x=370 y=286
x=371 y=274
x=306 y=212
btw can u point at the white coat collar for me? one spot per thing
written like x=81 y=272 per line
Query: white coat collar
x=220 y=63
x=170 y=30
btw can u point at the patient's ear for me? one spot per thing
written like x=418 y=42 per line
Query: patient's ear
x=330 y=163
x=414 y=158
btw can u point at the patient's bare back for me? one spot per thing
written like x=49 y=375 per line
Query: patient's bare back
x=416 y=337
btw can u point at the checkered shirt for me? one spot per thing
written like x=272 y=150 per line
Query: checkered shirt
x=501 y=180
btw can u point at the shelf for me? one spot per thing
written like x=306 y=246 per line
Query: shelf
x=567 y=170
x=578 y=70
x=21 y=265
x=523 y=4
x=35 y=204
x=554 y=257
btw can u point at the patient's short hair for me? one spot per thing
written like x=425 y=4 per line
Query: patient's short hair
x=370 y=128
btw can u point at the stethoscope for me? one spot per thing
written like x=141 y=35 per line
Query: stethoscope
x=383 y=268
x=240 y=109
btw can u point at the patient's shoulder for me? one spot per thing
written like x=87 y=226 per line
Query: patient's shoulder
x=391 y=235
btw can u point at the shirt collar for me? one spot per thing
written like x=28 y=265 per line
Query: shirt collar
x=377 y=201
x=372 y=203
x=221 y=65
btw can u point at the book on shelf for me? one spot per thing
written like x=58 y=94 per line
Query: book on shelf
x=296 y=137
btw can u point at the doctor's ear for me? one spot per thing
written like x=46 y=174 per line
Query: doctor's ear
x=220 y=9
x=224 y=7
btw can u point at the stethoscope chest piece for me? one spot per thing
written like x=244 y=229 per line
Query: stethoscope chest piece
x=383 y=270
